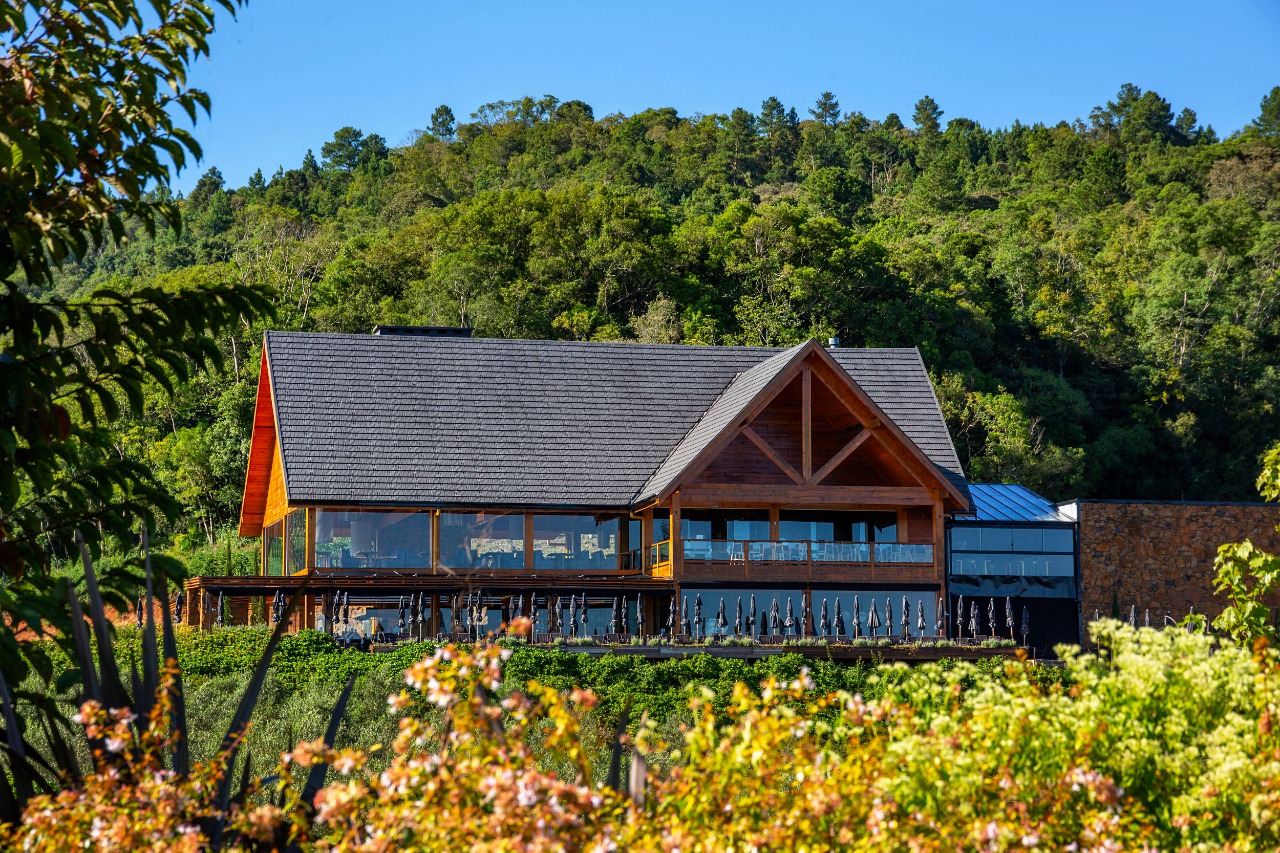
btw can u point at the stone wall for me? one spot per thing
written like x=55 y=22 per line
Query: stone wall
x=1160 y=555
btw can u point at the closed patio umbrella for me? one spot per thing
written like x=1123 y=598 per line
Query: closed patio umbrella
x=873 y=619
x=857 y=617
x=671 y=615
x=582 y=613
x=178 y=601
x=1008 y=615
x=920 y=623
x=775 y=620
x=751 y=620
x=888 y=617
x=940 y=619
x=400 y=607
x=640 y=615
x=518 y=610
x=1146 y=618
x=991 y=615
x=737 y=617
x=789 y=623
x=613 y=617
x=722 y=618
x=218 y=615
x=1133 y=616
x=906 y=618
x=806 y=617
x=697 y=615
x=626 y=622
x=1026 y=624
x=959 y=626
x=685 y=627
x=839 y=619
x=573 y=616
x=973 y=619
x=824 y=625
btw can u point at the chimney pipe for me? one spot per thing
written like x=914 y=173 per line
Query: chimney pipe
x=833 y=343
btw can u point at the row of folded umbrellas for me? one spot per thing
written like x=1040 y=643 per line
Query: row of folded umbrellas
x=470 y=613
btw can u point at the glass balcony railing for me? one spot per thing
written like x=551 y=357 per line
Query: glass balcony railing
x=660 y=552
x=754 y=551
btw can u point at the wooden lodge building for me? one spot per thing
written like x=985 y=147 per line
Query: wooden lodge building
x=426 y=461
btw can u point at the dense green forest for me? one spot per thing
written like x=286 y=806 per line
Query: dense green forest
x=1098 y=300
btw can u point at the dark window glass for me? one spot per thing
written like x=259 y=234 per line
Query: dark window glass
x=295 y=524
x=483 y=540
x=358 y=539
x=273 y=549
x=575 y=542
x=1059 y=540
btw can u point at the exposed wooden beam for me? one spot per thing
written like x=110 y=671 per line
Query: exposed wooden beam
x=806 y=423
x=773 y=456
x=841 y=455
x=801 y=495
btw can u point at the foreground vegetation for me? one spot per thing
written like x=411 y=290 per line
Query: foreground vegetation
x=1162 y=740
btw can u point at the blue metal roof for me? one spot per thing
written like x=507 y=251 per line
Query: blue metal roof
x=1001 y=502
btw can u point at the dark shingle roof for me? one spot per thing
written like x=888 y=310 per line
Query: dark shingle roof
x=488 y=422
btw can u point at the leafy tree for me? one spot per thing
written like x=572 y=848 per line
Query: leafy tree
x=88 y=106
x=1268 y=121
x=826 y=110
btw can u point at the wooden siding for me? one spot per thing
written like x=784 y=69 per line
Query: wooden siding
x=277 y=505
x=263 y=457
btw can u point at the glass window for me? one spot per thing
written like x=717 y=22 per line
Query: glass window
x=273 y=549
x=575 y=542
x=725 y=524
x=997 y=539
x=358 y=539
x=966 y=538
x=1027 y=539
x=837 y=526
x=481 y=540
x=295 y=528
x=1059 y=540
x=661 y=525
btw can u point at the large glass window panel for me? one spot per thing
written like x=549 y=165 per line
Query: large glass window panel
x=743 y=528
x=966 y=538
x=364 y=539
x=661 y=525
x=470 y=540
x=295 y=528
x=725 y=524
x=1035 y=565
x=997 y=539
x=575 y=542
x=1059 y=540
x=837 y=526
x=1027 y=539
x=273 y=549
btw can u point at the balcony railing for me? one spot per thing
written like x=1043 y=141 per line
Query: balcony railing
x=803 y=551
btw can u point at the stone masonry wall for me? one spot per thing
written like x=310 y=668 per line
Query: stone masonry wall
x=1160 y=555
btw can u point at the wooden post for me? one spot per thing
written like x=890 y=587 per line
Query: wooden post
x=309 y=559
x=435 y=543
x=646 y=540
x=677 y=546
x=902 y=526
x=806 y=424
x=939 y=541
x=774 y=515
x=528 y=542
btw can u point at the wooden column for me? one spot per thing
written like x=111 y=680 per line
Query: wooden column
x=528 y=542
x=309 y=559
x=677 y=546
x=939 y=540
x=774 y=515
x=902 y=525
x=806 y=424
x=646 y=539
x=435 y=543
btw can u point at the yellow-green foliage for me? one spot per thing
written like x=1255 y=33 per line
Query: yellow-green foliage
x=1162 y=741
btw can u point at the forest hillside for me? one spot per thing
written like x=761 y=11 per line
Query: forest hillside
x=1098 y=300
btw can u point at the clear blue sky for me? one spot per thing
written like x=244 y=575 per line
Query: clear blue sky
x=287 y=73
